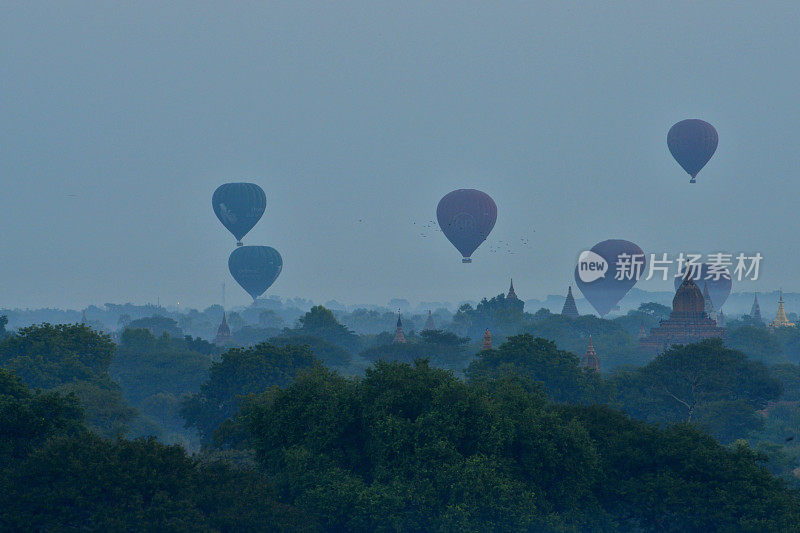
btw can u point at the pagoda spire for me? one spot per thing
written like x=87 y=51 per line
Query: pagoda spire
x=430 y=325
x=780 y=318
x=569 y=310
x=755 y=311
x=511 y=294
x=590 y=361
x=487 y=339
x=399 y=337
x=223 y=332
x=709 y=308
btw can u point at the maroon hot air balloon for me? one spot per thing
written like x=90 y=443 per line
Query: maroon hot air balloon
x=466 y=217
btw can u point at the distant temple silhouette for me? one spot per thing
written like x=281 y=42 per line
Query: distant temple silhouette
x=687 y=323
x=223 y=332
x=755 y=311
x=430 y=325
x=709 y=305
x=590 y=361
x=487 y=340
x=399 y=338
x=570 y=309
x=511 y=294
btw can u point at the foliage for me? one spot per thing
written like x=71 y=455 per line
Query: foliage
x=503 y=317
x=756 y=342
x=321 y=323
x=241 y=371
x=158 y=326
x=706 y=383
x=412 y=448
x=539 y=360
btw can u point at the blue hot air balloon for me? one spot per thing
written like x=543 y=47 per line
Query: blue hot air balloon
x=255 y=268
x=239 y=207
x=466 y=217
x=608 y=271
x=692 y=142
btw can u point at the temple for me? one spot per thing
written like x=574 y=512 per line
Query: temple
x=780 y=319
x=430 y=325
x=399 y=338
x=590 y=361
x=223 y=333
x=511 y=294
x=755 y=311
x=709 y=305
x=570 y=309
x=487 y=340
x=687 y=323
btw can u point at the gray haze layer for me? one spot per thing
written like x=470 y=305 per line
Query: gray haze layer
x=118 y=120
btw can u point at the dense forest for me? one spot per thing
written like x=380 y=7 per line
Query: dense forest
x=317 y=427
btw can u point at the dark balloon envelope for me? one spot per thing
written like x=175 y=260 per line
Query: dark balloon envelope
x=692 y=142
x=255 y=268
x=605 y=292
x=718 y=289
x=466 y=217
x=239 y=207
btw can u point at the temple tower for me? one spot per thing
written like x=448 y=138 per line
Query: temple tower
x=780 y=319
x=755 y=311
x=709 y=305
x=223 y=332
x=487 y=340
x=399 y=338
x=511 y=294
x=569 y=310
x=430 y=325
x=590 y=361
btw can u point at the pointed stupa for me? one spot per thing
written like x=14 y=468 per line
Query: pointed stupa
x=511 y=294
x=430 y=325
x=780 y=319
x=642 y=332
x=709 y=305
x=487 y=340
x=590 y=360
x=399 y=338
x=223 y=332
x=720 y=319
x=570 y=309
x=83 y=317
x=755 y=311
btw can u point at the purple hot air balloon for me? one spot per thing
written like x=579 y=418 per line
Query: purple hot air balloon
x=718 y=289
x=466 y=217
x=608 y=271
x=692 y=142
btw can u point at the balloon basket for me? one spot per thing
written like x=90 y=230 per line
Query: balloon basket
x=693 y=180
x=466 y=260
x=239 y=243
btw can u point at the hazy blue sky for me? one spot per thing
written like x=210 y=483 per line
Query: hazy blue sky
x=372 y=111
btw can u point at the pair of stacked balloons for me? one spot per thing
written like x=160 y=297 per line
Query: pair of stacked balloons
x=239 y=206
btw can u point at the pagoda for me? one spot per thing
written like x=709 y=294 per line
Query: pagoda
x=399 y=338
x=511 y=294
x=223 y=333
x=709 y=305
x=755 y=311
x=430 y=325
x=780 y=319
x=721 y=319
x=570 y=310
x=687 y=323
x=590 y=361
x=487 y=340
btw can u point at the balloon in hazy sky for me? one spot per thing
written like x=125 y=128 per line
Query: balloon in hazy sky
x=239 y=207
x=608 y=271
x=692 y=142
x=255 y=268
x=466 y=217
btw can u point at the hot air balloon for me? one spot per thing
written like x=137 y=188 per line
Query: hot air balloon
x=255 y=268
x=466 y=217
x=239 y=207
x=692 y=142
x=608 y=271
